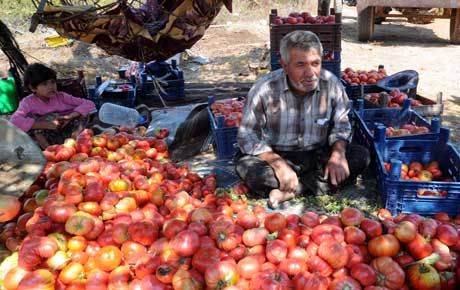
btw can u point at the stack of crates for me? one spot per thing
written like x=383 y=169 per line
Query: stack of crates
x=408 y=192
x=330 y=35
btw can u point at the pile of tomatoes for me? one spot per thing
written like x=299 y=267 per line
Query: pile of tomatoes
x=143 y=222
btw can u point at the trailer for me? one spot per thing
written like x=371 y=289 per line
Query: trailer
x=370 y=10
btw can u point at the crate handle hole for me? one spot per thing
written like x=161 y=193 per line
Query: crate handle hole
x=409 y=149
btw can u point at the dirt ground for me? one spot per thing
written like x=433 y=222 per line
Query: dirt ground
x=236 y=48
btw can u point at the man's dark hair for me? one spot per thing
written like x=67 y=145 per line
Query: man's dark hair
x=38 y=73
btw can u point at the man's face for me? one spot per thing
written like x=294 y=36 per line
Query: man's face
x=303 y=69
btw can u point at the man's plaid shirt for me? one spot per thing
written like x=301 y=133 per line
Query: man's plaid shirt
x=274 y=119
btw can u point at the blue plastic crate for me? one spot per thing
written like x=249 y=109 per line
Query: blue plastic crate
x=331 y=65
x=104 y=93
x=355 y=92
x=174 y=89
x=402 y=195
x=224 y=137
x=367 y=121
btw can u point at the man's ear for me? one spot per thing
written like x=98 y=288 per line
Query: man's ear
x=284 y=65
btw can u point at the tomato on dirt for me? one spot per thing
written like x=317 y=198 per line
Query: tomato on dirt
x=419 y=247
x=351 y=216
x=185 y=243
x=344 y=283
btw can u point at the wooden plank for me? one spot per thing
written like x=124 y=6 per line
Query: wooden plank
x=362 y=4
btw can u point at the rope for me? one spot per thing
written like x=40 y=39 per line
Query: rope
x=158 y=87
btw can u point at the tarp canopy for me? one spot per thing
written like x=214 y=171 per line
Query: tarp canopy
x=140 y=31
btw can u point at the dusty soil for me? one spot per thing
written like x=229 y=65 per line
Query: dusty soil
x=238 y=50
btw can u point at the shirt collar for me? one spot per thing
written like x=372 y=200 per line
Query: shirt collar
x=286 y=87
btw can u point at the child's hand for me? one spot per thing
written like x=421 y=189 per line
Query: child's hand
x=51 y=125
x=64 y=120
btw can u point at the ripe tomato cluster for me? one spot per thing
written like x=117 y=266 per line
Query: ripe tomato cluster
x=231 y=110
x=421 y=172
x=303 y=18
x=146 y=223
x=362 y=77
x=406 y=129
x=396 y=99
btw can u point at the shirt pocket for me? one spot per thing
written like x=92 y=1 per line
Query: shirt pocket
x=321 y=124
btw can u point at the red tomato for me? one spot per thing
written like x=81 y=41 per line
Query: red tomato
x=308 y=281
x=354 y=235
x=132 y=251
x=310 y=219
x=275 y=222
x=364 y=273
x=343 y=283
x=385 y=245
x=276 y=251
x=71 y=272
x=248 y=266
x=448 y=281
x=184 y=279
x=37 y=280
x=372 y=228
x=13 y=277
x=389 y=272
x=255 y=236
x=143 y=232
x=108 y=258
x=447 y=234
x=221 y=274
x=419 y=247
x=334 y=253
x=325 y=232
x=423 y=277
x=292 y=266
x=317 y=265
x=186 y=243
x=405 y=231
x=351 y=216
x=204 y=258
x=247 y=220
x=172 y=227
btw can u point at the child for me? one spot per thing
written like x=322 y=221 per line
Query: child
x=48 y=115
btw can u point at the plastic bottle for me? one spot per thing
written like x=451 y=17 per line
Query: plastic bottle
x=119 y=115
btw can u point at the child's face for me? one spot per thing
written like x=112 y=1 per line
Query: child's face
x=46 y=89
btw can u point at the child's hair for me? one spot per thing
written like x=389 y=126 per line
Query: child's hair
x=37 y=73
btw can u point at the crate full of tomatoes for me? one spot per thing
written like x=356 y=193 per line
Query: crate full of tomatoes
x=359 y=82
x=225 y=117
x=426 y=107
x=397 y=123
x=419 y=176
x=327 y=28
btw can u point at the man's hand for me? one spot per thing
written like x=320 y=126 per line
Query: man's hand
x=337 y=168
x=287 y=178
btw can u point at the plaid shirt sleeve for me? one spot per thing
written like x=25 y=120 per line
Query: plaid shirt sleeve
x=250 y=133
x=341 y=129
